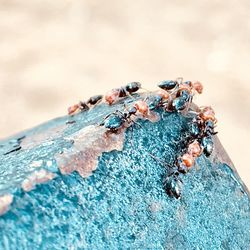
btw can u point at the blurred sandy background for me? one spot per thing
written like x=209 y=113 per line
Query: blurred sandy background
x=56 y=52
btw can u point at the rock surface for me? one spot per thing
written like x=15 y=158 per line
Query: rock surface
x=57 y=193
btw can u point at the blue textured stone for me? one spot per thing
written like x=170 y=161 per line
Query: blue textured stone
x=122 y=205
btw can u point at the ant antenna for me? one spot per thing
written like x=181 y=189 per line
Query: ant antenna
x=145 y=89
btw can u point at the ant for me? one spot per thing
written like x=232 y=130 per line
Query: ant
x=173 y=96
x=113 y=122
x=84 y=106
x=172 y=85
x=113 y=95
x=158 y=100
x=181 y=93
x=200 y=141
x=94 y=99
x=173 y=183
x=203 y=128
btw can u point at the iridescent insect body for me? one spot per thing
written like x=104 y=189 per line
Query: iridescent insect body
x=116 y=120
x=173 y=185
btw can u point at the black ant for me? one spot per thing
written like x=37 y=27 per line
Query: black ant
x=116 y=120
x=172 y=183
x=84 y=106
x=203 y=129
x=181 y=93
x=113 y=95
x=94 y=99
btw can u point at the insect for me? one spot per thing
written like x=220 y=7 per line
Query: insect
x=159 y=99
x=113 y=95
x=155 y=101
x=174 y=95
x=205 y=123
x=84 y=106
x=167 y=85
x=73 y=109
x=178 y=84
x=173 y=185
x=116 y=120
x=200 y=141
x=94 y=100
x=181 y=93
x=180 y=103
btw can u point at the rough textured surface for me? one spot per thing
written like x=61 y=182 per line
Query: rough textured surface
x=122 y=205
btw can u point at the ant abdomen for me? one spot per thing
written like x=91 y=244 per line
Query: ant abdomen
x=132 y=87
x=173 y=186
x=113 y=122
x=208 y=145
x=167 y=85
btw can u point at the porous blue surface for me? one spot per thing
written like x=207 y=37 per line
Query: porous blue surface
x=123 y=204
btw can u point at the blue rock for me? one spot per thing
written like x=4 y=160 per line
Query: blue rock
x=122 y=205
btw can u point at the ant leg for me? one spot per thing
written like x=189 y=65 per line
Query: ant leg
x=188 y=105
x=159 y=160
x=130 y=95
x=136 y=123
x=192 y=112
x=179 y=80
x=132 y=136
